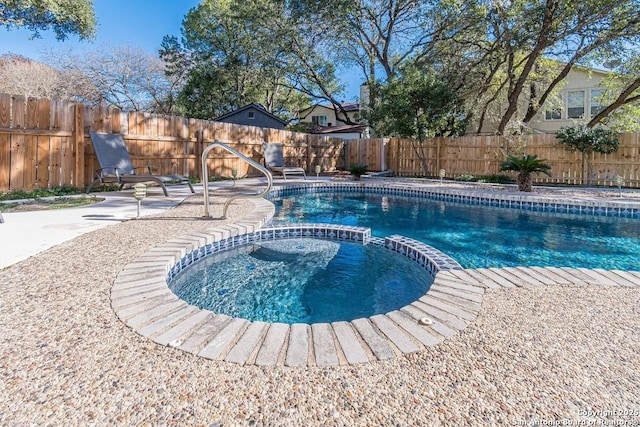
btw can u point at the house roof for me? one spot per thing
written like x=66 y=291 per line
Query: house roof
x=254 y=106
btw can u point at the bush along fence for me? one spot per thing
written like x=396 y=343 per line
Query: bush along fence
x=45 y=144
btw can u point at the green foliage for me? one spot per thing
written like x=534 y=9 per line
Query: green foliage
x=588 y=140
x=416 y=104
x=496 y=178
x=502 y=56
x=466 y=178
x=493 y=178
x=49 y=204
x=526 y=164
x=64 y=190
x=358 y=169
x=625 y=119
x=63 y=17
x=234 y=53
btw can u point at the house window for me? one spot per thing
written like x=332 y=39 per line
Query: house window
x=319 y=120
x=554 y=108
x=252 y=115
x=575 y=104
x=596 y=99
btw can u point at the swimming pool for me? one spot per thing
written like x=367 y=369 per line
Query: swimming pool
x=478 y=236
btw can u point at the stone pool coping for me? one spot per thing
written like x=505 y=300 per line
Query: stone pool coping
x=142 y=300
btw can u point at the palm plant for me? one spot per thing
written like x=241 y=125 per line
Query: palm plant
x=525 y=166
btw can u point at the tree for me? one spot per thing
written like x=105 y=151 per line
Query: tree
x=233 y=53
x=124 y=77
x=525 y=165
x=521 y=35
x=29 y=78
x=622 y=90
x=23 y=76
x=415 y=104
x=381 y=36
x=63 y=17
x=588 y=140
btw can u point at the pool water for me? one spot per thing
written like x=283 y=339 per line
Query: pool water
x=302 y=280
x=479 y=236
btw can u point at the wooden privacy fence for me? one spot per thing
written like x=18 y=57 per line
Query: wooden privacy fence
x=44 y=144
x=483 y=155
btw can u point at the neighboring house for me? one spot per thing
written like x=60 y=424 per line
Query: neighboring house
x=253 y=115
x=322 y=119
x=325 y=115
x=580 y=98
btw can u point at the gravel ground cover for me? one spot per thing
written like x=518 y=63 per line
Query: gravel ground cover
x=534 y=356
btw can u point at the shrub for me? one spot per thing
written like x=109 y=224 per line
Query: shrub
x=466 y=178
x=64 y=190
x=525 y=165
x=357 y=169
x=496 y=179
x=587 y=140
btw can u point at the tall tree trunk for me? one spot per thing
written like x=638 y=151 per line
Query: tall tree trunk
x=541 y=44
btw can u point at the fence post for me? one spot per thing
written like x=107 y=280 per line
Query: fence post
x=78 y=143
x=308 y=143
x=438 y=161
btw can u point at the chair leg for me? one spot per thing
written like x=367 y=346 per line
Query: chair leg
x=90 y=186
x=190 y=187
x=164 y=189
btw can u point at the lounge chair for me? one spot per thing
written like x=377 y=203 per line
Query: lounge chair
x=116 y=167
x=274 y=161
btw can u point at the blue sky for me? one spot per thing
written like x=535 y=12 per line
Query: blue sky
x=134 y=22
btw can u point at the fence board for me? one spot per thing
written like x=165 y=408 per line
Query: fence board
x=5 y=110
x=18 y=151
x=42 y=171
x=5 y=161
x=31 y=144
x=55 y=164
x=31 y=121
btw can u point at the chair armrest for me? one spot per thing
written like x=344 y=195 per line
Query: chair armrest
x=148 y=168
x=110 y=170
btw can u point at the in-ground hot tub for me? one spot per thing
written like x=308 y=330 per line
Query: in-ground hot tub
x=172 y=321
x=303 y=280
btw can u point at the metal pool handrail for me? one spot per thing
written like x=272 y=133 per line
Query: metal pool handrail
x=205 y=178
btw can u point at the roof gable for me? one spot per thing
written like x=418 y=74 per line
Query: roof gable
x=253 y=106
